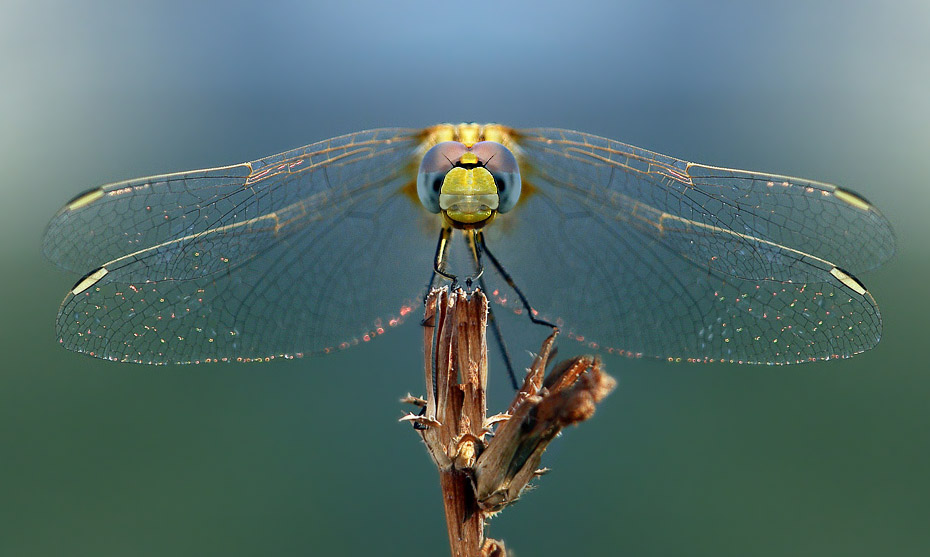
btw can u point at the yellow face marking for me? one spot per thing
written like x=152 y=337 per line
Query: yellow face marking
x=85 y=199
x=468 y=195
x=469 y=217
x=848 y=281
x=852 y=199
x=89 y=281
x=469 y=158
x=464 y=181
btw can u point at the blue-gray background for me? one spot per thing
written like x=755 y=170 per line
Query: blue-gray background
x=294 y=458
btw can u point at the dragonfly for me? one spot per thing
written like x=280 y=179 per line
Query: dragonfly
x=328 y=246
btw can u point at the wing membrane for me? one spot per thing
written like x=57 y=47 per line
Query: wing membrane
x=315 y=249
x=269 y=258
x=657 y=256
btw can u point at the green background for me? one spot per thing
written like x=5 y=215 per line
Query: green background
x=302 y=457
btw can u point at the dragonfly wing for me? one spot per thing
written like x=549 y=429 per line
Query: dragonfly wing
x=303 y=252
x=655 y=256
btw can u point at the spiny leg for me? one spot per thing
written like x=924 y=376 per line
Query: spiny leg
x=495 y=324
x=476 y=257
x=531 y=313
x=499 y=338
x=439 y=261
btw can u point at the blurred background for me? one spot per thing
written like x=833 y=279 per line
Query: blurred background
x=301 y=457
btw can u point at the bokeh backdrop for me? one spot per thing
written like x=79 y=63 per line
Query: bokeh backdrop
x=306 y=457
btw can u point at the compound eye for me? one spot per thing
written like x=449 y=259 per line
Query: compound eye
x=502 y=165
x=438 y=161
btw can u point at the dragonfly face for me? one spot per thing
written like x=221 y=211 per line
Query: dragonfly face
x=329 y=245
x=468 y=184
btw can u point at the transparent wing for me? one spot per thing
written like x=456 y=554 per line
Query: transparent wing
x=307 y=251
x=651 y=255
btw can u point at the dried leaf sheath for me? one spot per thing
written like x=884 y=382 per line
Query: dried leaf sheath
x=480 y=477
x=456 y=363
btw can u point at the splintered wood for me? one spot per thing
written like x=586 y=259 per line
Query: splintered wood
x=482 y=474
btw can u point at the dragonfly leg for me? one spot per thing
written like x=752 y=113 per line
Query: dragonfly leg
x=476 y=256
x=495 y=325
x=499 y=338
x=531 y=313
x=439 y=262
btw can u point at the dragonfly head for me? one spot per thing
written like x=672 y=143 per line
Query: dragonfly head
x=469 y=185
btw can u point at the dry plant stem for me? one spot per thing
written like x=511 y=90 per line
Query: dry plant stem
x=480 y=477
x=540 y=410
x=457 y=371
